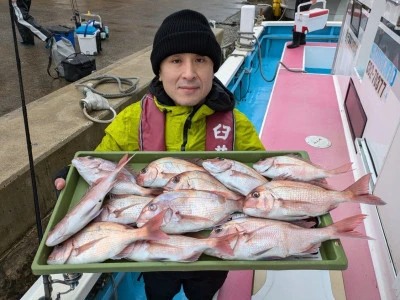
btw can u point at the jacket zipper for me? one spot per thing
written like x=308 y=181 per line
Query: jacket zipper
x=186 y=127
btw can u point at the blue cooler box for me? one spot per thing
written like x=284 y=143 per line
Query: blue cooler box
x=62 y=31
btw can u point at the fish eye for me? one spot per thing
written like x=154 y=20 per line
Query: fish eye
x=143 y=171
x=218 y=229
x=58 y=246
x=176 y=179
x=153 y=207
x=255 y=194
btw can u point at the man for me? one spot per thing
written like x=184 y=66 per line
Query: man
x=27 y=25
x=186 y=109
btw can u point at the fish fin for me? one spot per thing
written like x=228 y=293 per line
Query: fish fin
x=345 y=228
x=264 y=251
x=154 y=191
x=131 y=170
x=120 y=255
x=342 y=169
x=297 y=156
x=96 y=182
x=158 y=259
x=152 y=227
x=306 y=160
x=119 y=212
x=177 y=216
x=304 y=223
x=127 y=250
x=196 y=235
x=170 y=248
x=195 y=160
x=250 y=234
x=123 y=160
x=227 y=195
x=293 y=205
x=167 y=174
x=283 y=176
x=86 y=246
x=222 y=243
x=192 y=258
x=245 y=176
x=321 y=182
x=93 y=213
x=314 y=248
x=360 y=191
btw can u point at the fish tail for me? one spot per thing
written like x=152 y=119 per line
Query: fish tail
x=345 y=228
x=152 y=227
x=240 y=204
x=223 y=243
x=123 y=161
x=154 y=191
x=342 y=169
x=360 y=192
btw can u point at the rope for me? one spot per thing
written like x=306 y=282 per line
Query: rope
x=111 y=79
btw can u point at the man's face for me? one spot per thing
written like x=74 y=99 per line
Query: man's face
x=187 y=78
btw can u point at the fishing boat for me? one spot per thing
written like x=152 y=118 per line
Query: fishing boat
x=338 y=98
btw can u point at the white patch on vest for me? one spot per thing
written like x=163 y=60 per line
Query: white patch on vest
x=223 y=148
x=223 y=133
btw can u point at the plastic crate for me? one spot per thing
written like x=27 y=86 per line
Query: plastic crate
x=331 y=252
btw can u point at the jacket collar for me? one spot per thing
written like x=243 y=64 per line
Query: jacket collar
x=219 y=98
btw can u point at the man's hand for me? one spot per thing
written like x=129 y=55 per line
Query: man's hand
x=59 y=179
x=59 y=183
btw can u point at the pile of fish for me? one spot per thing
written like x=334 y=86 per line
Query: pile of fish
x=154 y=214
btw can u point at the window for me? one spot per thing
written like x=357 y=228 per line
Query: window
x=355 y=112
x=356 y=15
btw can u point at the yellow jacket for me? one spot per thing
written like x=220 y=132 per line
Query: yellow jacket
x=122 y=133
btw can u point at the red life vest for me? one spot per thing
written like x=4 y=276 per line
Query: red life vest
x=220 y=128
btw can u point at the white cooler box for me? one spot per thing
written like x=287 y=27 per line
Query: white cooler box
x=310 y=20
x=88 y=38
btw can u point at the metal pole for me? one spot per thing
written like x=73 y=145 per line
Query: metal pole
x=46 y=281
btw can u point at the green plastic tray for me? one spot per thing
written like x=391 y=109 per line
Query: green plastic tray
x=331 y=252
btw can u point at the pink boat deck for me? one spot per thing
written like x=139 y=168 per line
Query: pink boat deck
x=302 y=105
x=306 y=104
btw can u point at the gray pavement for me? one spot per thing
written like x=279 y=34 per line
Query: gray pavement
x=132 y=25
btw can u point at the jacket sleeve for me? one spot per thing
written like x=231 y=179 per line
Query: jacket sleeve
x=246 y=136
x=122 y=133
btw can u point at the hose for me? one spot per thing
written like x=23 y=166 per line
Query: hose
x=110 y=79
x=95 y=102
x=277 y=65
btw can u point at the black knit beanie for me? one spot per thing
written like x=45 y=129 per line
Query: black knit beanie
x=185 y=31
